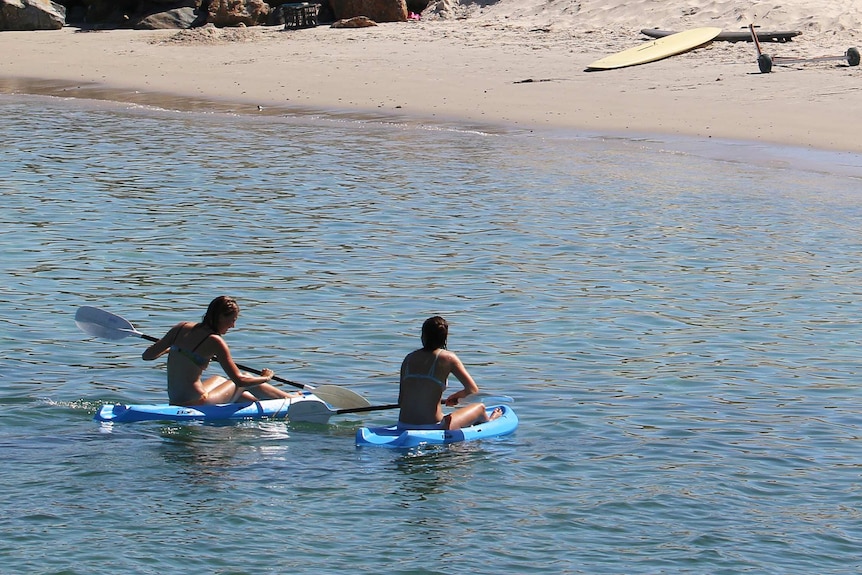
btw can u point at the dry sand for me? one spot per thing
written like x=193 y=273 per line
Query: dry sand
x=513 y=62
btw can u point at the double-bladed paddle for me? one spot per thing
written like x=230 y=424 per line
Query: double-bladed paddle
x=316 y=412
x=106 y=325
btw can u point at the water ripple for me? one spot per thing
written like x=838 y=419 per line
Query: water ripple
x=679 y=337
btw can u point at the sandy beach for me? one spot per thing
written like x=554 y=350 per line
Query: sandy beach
x=512 y=62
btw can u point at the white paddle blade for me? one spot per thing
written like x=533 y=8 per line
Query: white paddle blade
x=309 y=411
x=486 y=399
x=340 y=397
x=100 y=323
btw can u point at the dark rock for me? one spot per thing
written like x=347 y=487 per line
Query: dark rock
x=377 y=10
x=31 y=15
x=177 y=18
x=417 y=6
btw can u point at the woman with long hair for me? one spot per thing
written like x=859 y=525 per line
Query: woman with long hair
x=190 y=347
x=424 y=376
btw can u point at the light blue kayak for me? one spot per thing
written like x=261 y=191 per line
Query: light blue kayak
x=391 y=436
x=263 y=409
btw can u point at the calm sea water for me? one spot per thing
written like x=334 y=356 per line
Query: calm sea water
x=678 y=327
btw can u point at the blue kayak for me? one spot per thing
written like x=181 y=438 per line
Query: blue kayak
x=263 y=409
x=391 y=436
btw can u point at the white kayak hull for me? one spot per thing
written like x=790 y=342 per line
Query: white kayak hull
x=262 y=409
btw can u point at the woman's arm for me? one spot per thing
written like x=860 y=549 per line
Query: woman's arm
x=460 y=372
x=233 y=372
x=163 y=345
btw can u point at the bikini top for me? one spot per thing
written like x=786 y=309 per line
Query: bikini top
x=192 y=355
x=430 y=376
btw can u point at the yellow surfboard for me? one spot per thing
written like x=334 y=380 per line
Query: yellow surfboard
x=657 y=49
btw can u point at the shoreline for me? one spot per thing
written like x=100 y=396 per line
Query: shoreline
x=510 y=77
x=733 y=150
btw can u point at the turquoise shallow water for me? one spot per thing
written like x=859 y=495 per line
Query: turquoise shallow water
x=677 y=325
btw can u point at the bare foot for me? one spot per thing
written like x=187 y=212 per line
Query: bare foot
x=495 y=414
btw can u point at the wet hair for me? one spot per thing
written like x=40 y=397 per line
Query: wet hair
x=221 y=306
x=435 y=332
